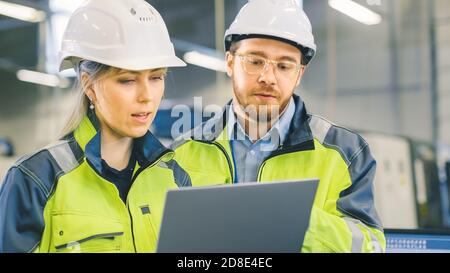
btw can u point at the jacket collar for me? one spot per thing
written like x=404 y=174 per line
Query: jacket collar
x=299 y=131
x=88 y=135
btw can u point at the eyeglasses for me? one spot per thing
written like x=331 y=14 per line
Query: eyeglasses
x=256 y=65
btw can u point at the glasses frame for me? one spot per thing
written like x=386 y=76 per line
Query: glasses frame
x=242 y=57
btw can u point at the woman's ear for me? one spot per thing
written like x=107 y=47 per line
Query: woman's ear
x=88 y=87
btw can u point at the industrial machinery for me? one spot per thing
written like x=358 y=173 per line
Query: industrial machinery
x=428 y=185
x=407 y=184
x=394 y=181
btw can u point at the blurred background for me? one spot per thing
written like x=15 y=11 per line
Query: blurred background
x=382 y=69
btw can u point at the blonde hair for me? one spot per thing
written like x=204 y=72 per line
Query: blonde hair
x=96 y=72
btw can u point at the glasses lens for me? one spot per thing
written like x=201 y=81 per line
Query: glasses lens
x=286 y=68
x=253 y=64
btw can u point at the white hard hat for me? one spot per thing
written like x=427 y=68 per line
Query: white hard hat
x=283 y=20
x=127 y=34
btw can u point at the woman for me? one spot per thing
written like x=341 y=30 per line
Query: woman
x=101 y=188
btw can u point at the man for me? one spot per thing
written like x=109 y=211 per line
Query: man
x=268 y=46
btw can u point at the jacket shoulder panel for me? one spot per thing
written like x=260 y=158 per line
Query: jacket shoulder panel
x=348 y=143
x=48 y=164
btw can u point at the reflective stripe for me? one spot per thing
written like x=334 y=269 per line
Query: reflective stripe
x=63 y=155
x=163 y=164
x=357 y=235
x=182 y=178
x=376 y=246
x=181 y=140
x=319 y=128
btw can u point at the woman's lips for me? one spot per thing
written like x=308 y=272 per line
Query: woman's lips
x=141 y=117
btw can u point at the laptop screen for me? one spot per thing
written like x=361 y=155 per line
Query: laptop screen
x=239 y=218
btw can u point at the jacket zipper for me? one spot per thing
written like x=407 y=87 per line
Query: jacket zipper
x=305 y=146
x=126 y=205
x=221 y=148
x=230 y=166
x=141 y=169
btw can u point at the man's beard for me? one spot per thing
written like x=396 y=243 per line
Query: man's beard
x=256 y=120
x=261 y=113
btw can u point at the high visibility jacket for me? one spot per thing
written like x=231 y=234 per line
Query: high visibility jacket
x=56 y=200
x=343 y=218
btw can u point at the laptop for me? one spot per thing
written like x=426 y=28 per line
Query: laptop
x=240 y=218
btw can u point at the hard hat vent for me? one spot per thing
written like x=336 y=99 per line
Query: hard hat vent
x=146 y=19
x=143 y=14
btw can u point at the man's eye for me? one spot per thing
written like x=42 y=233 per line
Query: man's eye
x=256 y=61
x=286 y=66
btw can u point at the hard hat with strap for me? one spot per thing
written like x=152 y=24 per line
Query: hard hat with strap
x=127 y=34
x=282 y=20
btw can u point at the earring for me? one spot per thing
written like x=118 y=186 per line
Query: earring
x=91 y=106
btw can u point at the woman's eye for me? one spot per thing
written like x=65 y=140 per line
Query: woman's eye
x=157 y=78
x=126 y=81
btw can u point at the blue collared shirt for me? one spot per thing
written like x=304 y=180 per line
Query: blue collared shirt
x=247 y=155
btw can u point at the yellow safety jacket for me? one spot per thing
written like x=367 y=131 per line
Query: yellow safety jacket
x=56 y=199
